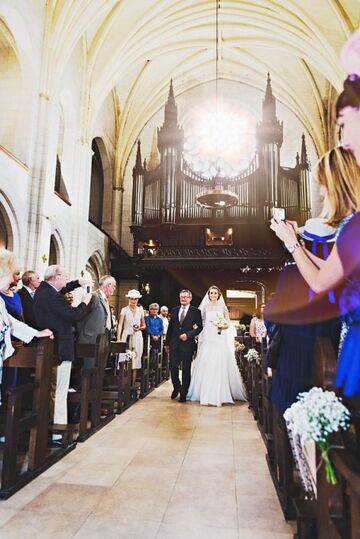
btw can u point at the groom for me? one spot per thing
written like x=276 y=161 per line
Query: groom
x=184 y=325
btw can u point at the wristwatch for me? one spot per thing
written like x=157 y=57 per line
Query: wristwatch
x=291 y=248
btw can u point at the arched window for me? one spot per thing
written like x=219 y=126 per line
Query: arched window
x=60 y=187
x=53 y=251
x=3 y=233
x=97 y=187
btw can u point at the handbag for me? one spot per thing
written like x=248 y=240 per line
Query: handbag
x=274 y=348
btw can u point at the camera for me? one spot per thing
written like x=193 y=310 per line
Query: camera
x=279 y=213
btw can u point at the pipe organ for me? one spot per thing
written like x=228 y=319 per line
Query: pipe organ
x=165 y=208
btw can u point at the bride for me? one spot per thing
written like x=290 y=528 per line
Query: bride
x=216 y=378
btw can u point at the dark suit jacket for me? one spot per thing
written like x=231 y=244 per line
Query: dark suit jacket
x=53 y=312
x=94 y=323
x=27 y=303
x=175 y=329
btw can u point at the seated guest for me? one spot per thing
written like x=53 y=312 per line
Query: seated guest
x=154 y=326
x=51 y=308
x=164 y=315
x=97 y=320
x=31 y=282
x=10 y=326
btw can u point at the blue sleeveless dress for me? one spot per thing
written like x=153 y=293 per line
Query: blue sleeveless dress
x=348 y=246
x=302 y=321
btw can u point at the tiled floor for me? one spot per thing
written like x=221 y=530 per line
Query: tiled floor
x=161 y=470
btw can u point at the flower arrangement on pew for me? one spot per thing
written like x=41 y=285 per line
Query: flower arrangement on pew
x=315 y=416
x=253 y=355
x=126 y=356
x=130 y=355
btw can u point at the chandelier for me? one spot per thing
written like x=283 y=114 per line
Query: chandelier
x=216 y=198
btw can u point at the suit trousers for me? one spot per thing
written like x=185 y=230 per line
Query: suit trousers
x=178 y=357
x=60 y=389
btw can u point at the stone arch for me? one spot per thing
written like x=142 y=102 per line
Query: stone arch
x=100 y=205
x=96 y=266
x=108 y=180
x=9 y=225
x=56 y=249
x=10 y=89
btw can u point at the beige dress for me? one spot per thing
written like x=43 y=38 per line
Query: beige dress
x=136 y=341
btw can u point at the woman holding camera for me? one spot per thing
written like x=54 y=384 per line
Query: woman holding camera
x=339 y=178
x=131 y=323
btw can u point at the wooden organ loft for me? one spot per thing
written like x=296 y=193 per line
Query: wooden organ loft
x=172 y=233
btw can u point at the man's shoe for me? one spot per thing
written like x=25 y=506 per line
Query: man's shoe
x=182 y=399
x=175 y=393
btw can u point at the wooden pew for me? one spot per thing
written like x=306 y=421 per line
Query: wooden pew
x=117 y=385
x=90 y=396
x=338 y=507
x=36 y=421
x=145 y=380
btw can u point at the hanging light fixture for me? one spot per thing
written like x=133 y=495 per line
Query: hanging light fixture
x=217 y=198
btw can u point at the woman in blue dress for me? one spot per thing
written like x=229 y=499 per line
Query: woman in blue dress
x=339 y=177
x=13 y=306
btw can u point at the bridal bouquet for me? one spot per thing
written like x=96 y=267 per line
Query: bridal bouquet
x=220 y=323
x=315 y=416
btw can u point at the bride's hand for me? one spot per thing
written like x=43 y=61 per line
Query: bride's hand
x=225 y=326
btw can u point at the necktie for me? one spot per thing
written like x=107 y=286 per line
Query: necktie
x=182 y=314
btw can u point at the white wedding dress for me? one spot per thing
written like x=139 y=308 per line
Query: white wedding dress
x=215 y=378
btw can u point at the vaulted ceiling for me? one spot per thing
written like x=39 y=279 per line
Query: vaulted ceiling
x=134 y=47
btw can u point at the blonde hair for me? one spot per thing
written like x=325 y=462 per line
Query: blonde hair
x=339 y=173
x=7 y=262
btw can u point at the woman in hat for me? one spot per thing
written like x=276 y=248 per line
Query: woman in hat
x=339 y=177
x=131 y=323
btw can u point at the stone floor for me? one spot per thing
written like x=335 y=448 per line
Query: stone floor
x=161 y=470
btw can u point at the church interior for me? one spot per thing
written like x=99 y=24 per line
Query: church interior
x=154 y=141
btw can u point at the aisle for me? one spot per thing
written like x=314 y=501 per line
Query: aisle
x=161 y=470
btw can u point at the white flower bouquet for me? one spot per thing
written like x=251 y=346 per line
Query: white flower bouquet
x=220 y=323
x=130 y=354
x=316 y=415
x=252 y=355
